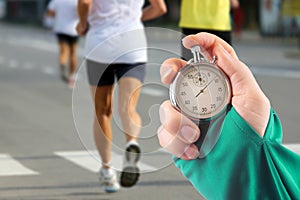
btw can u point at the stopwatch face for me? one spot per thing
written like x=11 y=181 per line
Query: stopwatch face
x=200 y=91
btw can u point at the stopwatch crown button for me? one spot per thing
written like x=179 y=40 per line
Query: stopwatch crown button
x=195 y=49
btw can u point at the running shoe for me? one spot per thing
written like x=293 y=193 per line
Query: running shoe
x=109 y=181
x=63 y=72
x=71 y=81
x=130 y=173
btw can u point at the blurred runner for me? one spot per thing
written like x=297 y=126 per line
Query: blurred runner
x=212 y=16
x=64 y=13
x=116 y=48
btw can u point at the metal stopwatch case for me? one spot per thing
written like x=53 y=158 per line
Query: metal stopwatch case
x=200 y=90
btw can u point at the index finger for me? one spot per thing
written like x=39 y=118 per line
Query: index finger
x=169 y=69
x=209 y=42
x=227 y=59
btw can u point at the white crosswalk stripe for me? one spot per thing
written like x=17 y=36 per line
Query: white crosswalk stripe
x=12 y=167
x=49 y=70
x=293 y=147
x=88 y=160
x=91 y=161
x=27 y=66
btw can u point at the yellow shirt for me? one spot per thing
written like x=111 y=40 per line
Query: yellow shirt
x=205 y=14
x=291 y=8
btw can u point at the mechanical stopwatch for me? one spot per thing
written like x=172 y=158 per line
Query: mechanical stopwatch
x=202 y=92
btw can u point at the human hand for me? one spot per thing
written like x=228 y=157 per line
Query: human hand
x=178 y=133
x=82 y=27
x=234 y=4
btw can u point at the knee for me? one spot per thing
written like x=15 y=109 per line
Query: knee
x=127 y=111
x=123 y=110
x=103 y=111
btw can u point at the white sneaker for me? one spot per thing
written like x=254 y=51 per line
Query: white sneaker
x=71 y=81
x=130 y=173
x=108 y=179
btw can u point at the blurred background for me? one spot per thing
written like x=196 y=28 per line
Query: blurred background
x=269 y=17
x=46 y=149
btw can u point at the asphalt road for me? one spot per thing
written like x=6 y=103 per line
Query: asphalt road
x=46 y=146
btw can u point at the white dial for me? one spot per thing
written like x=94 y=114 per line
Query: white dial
x=200 y=90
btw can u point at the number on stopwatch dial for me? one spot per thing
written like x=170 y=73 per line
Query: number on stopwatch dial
x=200 y=90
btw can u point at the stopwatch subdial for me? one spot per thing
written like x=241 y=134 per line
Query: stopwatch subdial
x=200 y=79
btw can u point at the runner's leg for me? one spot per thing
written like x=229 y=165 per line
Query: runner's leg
x=103 y=114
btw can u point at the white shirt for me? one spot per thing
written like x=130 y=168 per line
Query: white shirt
x=116 y=33
x=66 y=17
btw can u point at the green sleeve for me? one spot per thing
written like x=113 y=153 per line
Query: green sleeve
x=242 y=165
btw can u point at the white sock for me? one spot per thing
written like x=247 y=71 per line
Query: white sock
x=107 y=172
x=132 y=142
x=108 y=164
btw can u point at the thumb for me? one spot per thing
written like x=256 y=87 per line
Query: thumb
x=239 y=74
x=228 y=63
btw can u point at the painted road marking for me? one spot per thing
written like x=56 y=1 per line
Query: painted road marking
x=49 y=70
x=88 y=160
x=294 y=147
x=11 y=167
x=38 y=44
x=91 y=161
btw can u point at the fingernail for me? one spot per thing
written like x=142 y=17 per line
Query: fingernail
x=167 y=73
x=189 y=133
x=183 y=40
x=191 y=152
